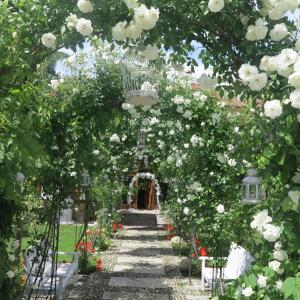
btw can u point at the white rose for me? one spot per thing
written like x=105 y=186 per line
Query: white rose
x=279 y=32
x=260 y=220
x=85 y=6
x=221 y=158
x=49 y=40
x=126 y=106
x=275 y=265
x=188 y=115
x=276 y=13
x=287 y=57
x=215 y=5
x=295 y=98
x=294 y=80
x=73 y=174
x=268 y=64
x=119 y=31
x=250 y=35
x=131 y=3
x=246 y=72
x=260 y=32
x=247 y=292
x=96 y=152
x=296 y=177
x=272 y=109
x=151 y=52
x=258 y=82
x=71 y=21
x=278 y=246
x=147 y=86
x=114 y=138
x=232 y=162
x=12 y=258
x=271 y=233
x=10 y=274
x=261 y=281
x=133 y=31
x=146 y=18
x=84 y=27
x=284 y=71
x=194 y=140
x=220 y=208
x=278 y=284
x=186 y=211
x=280 y=255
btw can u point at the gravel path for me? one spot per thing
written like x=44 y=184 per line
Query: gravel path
x=139 y=265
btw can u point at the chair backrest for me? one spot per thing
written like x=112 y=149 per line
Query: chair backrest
x=238 y=262
x=33 y=261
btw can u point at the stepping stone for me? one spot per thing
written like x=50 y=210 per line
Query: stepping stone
x=156 y=270
x=138 y=244
x=136 y=296
x=140 y=260
x=193 y=297
x=147 y=283
x=140 y=252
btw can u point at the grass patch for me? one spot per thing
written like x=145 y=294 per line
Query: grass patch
x=67 y=241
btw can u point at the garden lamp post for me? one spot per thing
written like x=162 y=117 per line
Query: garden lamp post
x=252 y=191
x=141 y=139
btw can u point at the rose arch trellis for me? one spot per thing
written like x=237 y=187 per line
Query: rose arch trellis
x=143 y=175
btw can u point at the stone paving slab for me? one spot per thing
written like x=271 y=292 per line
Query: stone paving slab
x=139 y=244
x=140 y=260
x=147 y=283
x=193 y=297
x=156 y=270
x=133 y=296
x=140 y=252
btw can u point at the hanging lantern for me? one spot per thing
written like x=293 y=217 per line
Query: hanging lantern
x=20 y=177
x=252 y=191
x=140 y=79
x=86 y=178
x=141 y=139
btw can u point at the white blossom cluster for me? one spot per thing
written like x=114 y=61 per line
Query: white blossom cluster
x=143 y=19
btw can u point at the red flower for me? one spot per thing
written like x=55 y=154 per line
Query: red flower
x=99 y=268
x=197 y=242
x=193 y=254
x=99 y=261
x=202 y=251
x=169 y=236
x=121 y=226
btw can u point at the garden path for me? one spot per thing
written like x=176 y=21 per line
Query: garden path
x=140 y=265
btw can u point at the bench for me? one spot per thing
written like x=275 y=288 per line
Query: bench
x=238 y=262
x=39 y=272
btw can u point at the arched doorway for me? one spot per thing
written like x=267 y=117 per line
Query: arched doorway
x=144 y=191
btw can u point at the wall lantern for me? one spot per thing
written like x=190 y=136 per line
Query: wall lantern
x=86 y=178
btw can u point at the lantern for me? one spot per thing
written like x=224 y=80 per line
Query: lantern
x=252 y=191
x=140 y=79
x=20 y=177
x=86 y=178
x=141 y=139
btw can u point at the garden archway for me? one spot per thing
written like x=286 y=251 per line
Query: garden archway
x=144 y=175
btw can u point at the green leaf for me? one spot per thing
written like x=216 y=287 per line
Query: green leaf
x=291 y=287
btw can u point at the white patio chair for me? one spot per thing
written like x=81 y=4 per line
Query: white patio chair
x=238 y=262
x=41 y=283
